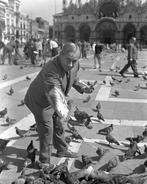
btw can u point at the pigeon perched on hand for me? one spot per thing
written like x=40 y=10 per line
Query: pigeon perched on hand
x=3 y=144
x=20 y=132
x=3 y=112
x=107 y=130
x=111 y=139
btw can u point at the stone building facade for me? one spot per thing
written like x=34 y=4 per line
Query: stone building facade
x=106 y=20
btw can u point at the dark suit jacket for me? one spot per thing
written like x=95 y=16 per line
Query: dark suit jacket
x=52 y=75
x=132 y=52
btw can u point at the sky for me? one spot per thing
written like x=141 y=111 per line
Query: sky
x=41 y=8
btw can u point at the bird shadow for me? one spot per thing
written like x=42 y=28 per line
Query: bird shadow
x=5 y=125
x=104 y=167
x=19 y=152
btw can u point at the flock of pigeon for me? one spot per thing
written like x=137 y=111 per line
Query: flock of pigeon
x=59 y=174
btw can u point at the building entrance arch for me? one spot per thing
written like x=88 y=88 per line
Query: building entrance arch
x=70 y=33
x=143 y=35
x=106 y=31
x=84 y=32
x=128 y=31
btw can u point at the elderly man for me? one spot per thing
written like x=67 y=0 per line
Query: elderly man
x=132 y=57
x=46 y=99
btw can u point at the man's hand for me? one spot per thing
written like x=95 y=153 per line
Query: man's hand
x=88 y=90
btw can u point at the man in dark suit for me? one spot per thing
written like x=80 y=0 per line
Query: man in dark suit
x=132 y=57
x=46 y=99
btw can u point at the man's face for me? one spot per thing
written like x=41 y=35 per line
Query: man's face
x=67 y=62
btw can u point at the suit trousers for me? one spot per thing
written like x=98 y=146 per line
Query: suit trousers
x=133 y=66
x=51 y=132
x=50 y=129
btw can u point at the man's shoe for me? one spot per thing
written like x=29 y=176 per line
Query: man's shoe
x=68 y=154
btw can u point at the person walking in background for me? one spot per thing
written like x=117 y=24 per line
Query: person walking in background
x=54 y=47
x=46 y=99
x=84 y=49
x=8 y=50
x=98 y=55
x=33 y=52
x=132 y=58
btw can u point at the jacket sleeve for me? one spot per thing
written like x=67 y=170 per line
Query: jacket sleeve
x=56 y=97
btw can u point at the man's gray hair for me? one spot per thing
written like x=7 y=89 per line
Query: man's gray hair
x=72 y=50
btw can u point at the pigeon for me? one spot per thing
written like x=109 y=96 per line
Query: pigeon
x=5 y=77
x=111 y=139
x=138 y=139
x=3 y=144
x=116 y=93
x=3 y=112
x=88 y=123
x=76 y=135
x=80 y=115
x=10 y=121
x=31 y=152
x=137 y=87
x=98 y=106
x=144 y=66
x=144 y=133
x=21 y=67
x=86 y=160
x=20 y=132
x=106 y=130
x=112 y=163
x=68 y=139
x=100 y=152
x=91 y=85
x=3 y=164
x=131 y=152
x=104 y=82
x=11 y=91
x=87 y=99
x=21 y=103
x=128 y=80
x=144 y=77
x=28 y=78
x=111 y=83
x=100 y=116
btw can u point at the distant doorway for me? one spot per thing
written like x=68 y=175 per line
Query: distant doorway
x=84 y=32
